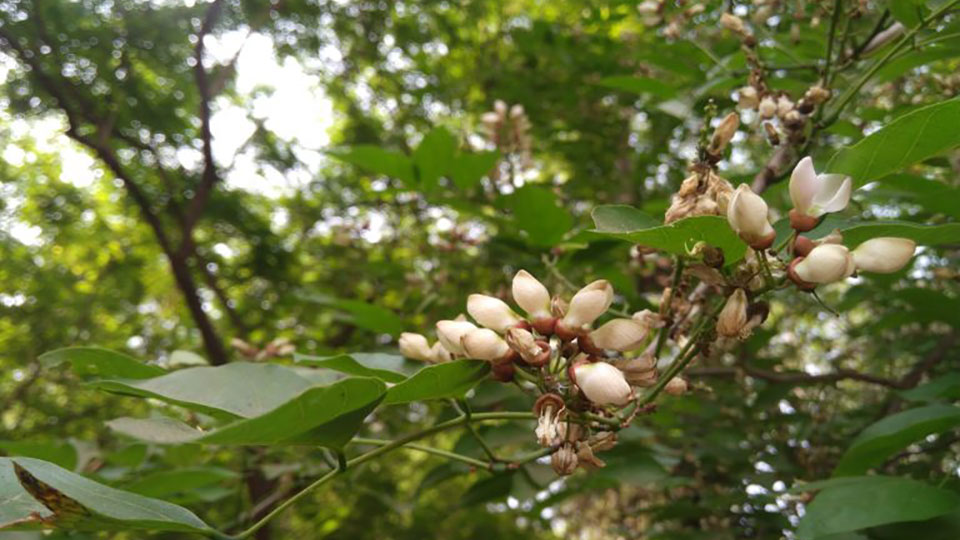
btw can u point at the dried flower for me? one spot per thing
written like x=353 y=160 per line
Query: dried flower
x=551 y=428
x=767 y=107
x=748 y=98
x=564 y=461
x=734 y=315
x=533 y=352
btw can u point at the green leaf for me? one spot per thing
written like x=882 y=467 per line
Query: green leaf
x=908 y=12
x=391 y=368
x=537 y=212
x=638 y=85
x=467 y=170
x=378 y=161
x=170 y=482
x=440 y=381
x=61 y=453
x=238 y=389
x=320 y=416
x=371 y=316
x=97 y=362
x=488 y=489
x=935 y=197
x=927 y=235
x=911 y=138
x=886 y=436
x=946 y=387
x=433 y=157
x=854 y=503
x=38 y=494
x=639 y=228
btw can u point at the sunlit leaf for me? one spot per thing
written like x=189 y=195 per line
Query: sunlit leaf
x=390 y=368
x=97 y=362
x=440 y=381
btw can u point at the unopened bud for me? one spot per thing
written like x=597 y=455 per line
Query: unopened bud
x=883 y=38
x=485 y=344
x=450 y=334
x=602 y=383
x=883 y=255
x=533 y=352
x=784 y=106
x=564 y=461
x=747 y=215
x=415 y=346
x=734 y=315
x=676 y=387
x=794 y=119
x=748 y=98
x=620 y=335
x=491 y=312
x=723 y=134
x=767 y=107
x=733 y=23
x=816 y=95
x=531 y=295
x=589 y=303
x=825 y=263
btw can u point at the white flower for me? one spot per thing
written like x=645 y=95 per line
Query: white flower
x=734 y=315
x=825 y=264
x=484 y=344
x=748 y=98
x=747 y=215
x=491 y=312
x=551 y=428
x=603 y=384
x=531 y=295
x=589 y=303
x=439 y=354
x=883 y=255
x=814 y=195
x=415 y=346
x=620 y=335
x=451 y=332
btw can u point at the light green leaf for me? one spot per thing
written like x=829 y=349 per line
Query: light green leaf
x=440 y=381
x=378 y=161
x=71 y=501
x=179 y=359
x=936 y=197
x=433 y=157
x=911 y=138
x=639 y=228
x=537 y=212
x=926 y=235
x=467 y=170
x=238 y=389
x=886 y=436
x=371 y=316
x=61 y=453
x=855 y=503
x=165 y=483
x=946 y=387
x=97 y=362
x=638 y=85
x=391 y=368
x=320 y=416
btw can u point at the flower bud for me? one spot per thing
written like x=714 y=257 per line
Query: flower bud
x=531 y=295
x=620 y=335
x=451 y=333
x=883 y=255
x=564 y=461
x=533 y=352
x=485 y=344
x=490 y=119
x=767 y=107
x=649 y=7
x=500 y=107
x=734 y=315
x=491 y=312
x=516 y=111
x=814 y=195
x=589 y=303
x=602 y=383
x=748 y=98
x=747 y=215
x=816 y=95
x=784 y=106
x=439 y=354
x=415 y=346
x=723 y=134
x=676 y=387
x=825 y=264
x=586 y=458
x=733 y=23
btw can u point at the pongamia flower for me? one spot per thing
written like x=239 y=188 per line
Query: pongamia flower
x=415 y=346
x=531 y=295
x=589 y=303
x=491 y=312
x=485 y=344
x=551 y=427
x=814 y=195
x=451 y=332
x=883 y=255
x=620 y=335
x=602 y=383
x=747 y=215
x=825 y=263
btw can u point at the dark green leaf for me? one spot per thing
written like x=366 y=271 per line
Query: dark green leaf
x=378 y=161
x=168 y=482
x=61 y=453
x=851 y=504
x=927 y=235
x=440 y=381
x=391 y=368
x=638 y=85
x=488 y=489
x=434 y=156
x=946 y=387
x=371 y=316
x=883 y=438
x=536 y=211
x=677 y=238
x=909 y=139
x=97 y=362
x=73 y=502
x=467 y=170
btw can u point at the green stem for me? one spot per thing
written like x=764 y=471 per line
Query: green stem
x=906 y=39
x=665 y=331
x=429 y=450
x=465 y=410
x=377 y=452
x=837 y=9
x=532 y=456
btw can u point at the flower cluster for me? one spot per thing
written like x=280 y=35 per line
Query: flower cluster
x=579 y=370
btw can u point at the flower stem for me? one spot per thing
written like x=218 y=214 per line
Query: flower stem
x=429 y=450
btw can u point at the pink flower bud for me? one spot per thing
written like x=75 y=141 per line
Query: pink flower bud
x=747 y=215
x=620 y=335
x=733 y=317
x=602 y=383
x=815 y=195
x=451 y=333
x=415 y=347
x=589 y=303
x=484 y=344
x=883 y=255
x=531 y=295
x=825 y=264
x=564 y=461
x=491 y=312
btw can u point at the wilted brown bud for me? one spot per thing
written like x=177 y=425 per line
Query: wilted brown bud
x=723 y=134
x=676 y=387
x=748 y=98
x=734 y=315
x=533 y=352
x=586 y=458
x=733 y=23
x=772 y=135
x=558 y=307
x=564 y=461
x=794 y=119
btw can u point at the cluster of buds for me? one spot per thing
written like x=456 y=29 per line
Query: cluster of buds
x=770 y=105
x=508 y=128
x=578 y=369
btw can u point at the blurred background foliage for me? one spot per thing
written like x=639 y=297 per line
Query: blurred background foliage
x=104 y=143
